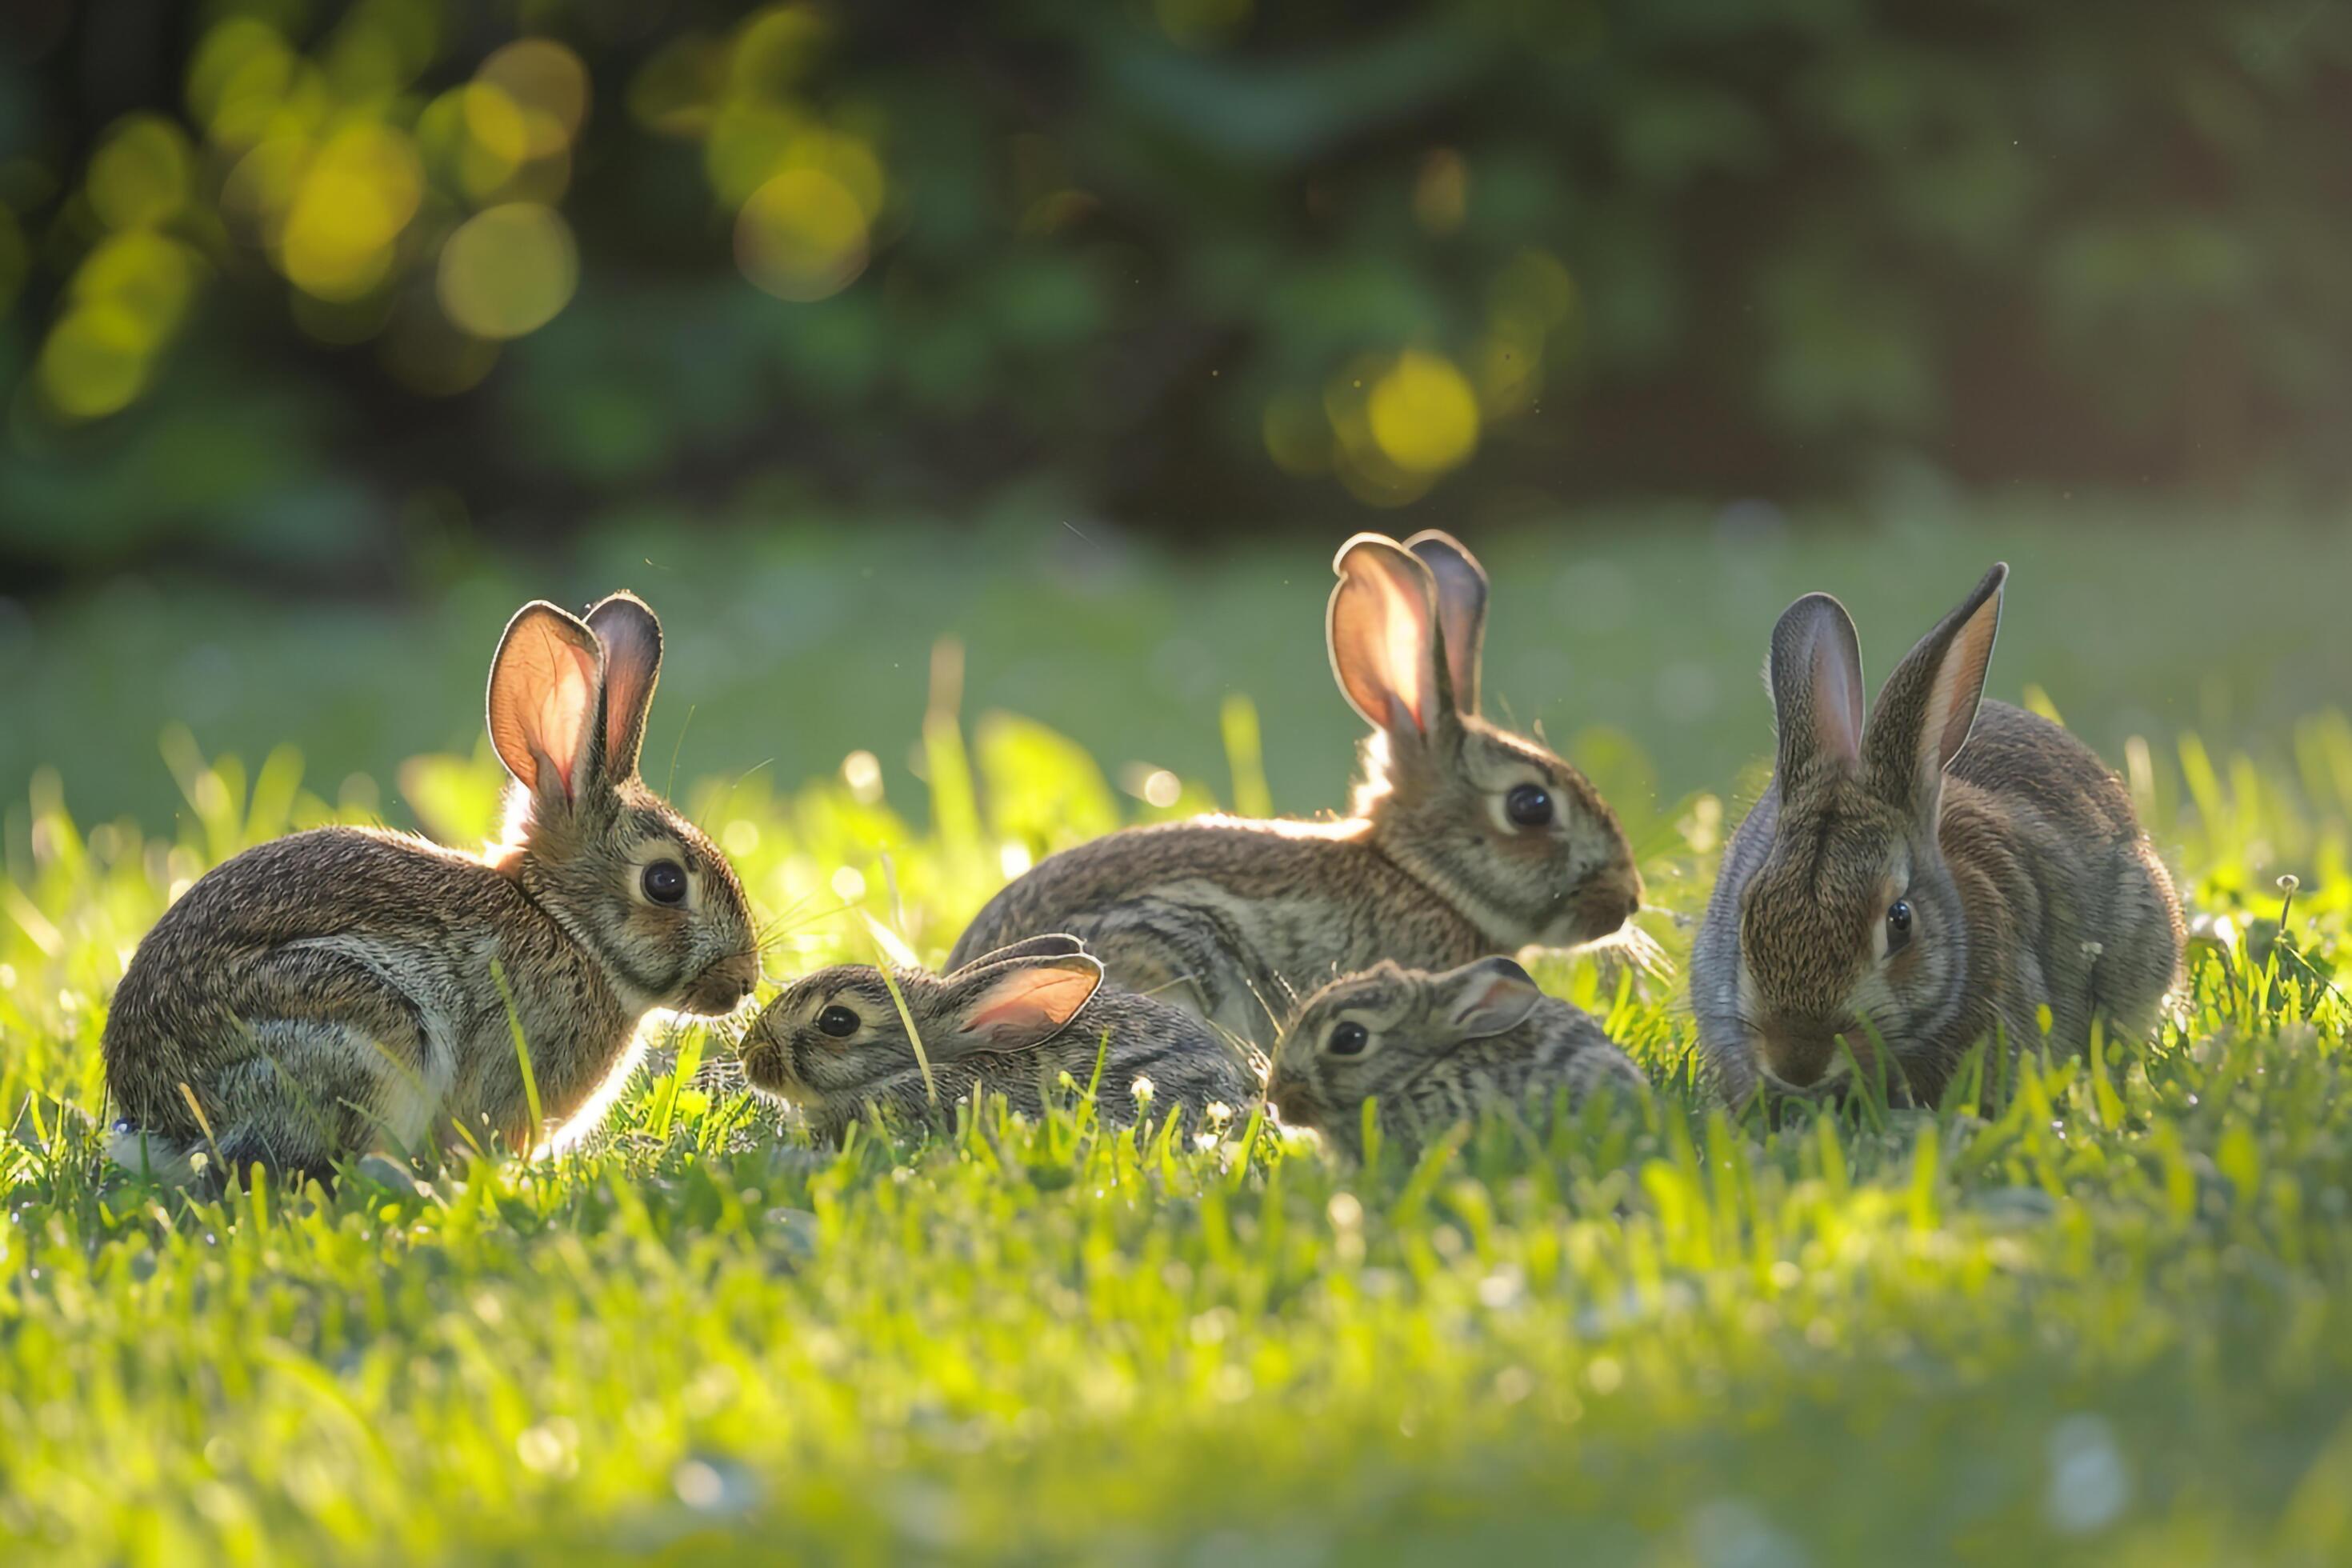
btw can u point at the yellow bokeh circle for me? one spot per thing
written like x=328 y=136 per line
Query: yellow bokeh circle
x=508 y=271
x=353 y=202
x=1422 y=415
x=95 y=361
x=140 y=176
x=802 y=236
x=548 y=88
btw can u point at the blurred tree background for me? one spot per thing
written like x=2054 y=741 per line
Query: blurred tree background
x=329 y=294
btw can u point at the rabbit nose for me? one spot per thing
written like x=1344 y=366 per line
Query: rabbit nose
x=1800 y=1060
x=1288 y=1098
x=723 y=987
x=1607 y=901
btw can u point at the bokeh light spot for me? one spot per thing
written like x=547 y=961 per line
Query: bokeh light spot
x=138 y=177
x=509 y=270
x=548 y=87
x=1424 y=415
x=240 y=73
x=94 y=361
x=144 y=276
x=773 y=51
x=802 y=236
x=675 y=94
x=357 y=195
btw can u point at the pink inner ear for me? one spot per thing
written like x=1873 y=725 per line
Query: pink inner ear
x=1405 y=651
x=1837 y=704
x=561 y=720
x=562 y=715
x=1497 y=994
x=1032 y=1002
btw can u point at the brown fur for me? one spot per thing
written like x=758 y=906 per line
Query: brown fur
x=832 y=1080
x=337 y=991
x=1441 y=1049
x=2028 y=878
x=1236 y=919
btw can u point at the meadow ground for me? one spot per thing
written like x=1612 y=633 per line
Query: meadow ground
x=2101 y=1317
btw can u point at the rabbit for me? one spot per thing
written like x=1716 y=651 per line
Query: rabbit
x=1012 y=1021
x=1925 y=880
x=1435 y=1051
x=349 y=991
x=1464 y=839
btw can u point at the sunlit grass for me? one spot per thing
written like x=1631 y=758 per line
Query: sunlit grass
x=2103 y=1316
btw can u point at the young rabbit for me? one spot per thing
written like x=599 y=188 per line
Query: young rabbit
x=1436 y=1049
x=1013 y=1021
x=347 y=989
x=1464 y=839
x=1925 y=880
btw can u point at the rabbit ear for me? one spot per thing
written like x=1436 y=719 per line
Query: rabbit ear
x=1929 y=701
x=1460 y=608
x=542 y=701
x=1019 y=1004
x=1383 y=635
x=1057 y=946
x=631 y=639
x=1815 y=673
x=1489 y=997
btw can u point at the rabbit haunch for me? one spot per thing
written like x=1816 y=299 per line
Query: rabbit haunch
x=1927 y=881
x=1014 y=1022
x=348 y=990
x=1467 y=840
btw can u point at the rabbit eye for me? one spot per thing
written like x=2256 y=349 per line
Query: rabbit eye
x=838 y=1022
x=1898 y=926
x=1347 y=1038
x=1528 y=806
x=665 y=882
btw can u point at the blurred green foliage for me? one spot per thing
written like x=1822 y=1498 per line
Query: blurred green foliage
x=313 y=286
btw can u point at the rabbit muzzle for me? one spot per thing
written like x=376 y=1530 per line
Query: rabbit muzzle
x=721 y=987
x=1805 y=1055
x=1605 y=902
x=1292 y=1101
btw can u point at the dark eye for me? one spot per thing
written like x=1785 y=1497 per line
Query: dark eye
x=665 y=882
x=1348 y=1040
x=1528 y=806
x=838 y=1022
x=1898 y=925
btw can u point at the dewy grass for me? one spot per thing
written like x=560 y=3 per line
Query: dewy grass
x=2084 y=1311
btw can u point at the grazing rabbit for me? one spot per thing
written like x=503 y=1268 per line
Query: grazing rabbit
x=1925 y=880
x=1012 y=1021
x=347 y=989
x=1435 y=1051
x=1464 y=839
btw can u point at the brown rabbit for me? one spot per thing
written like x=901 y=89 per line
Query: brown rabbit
x=1435 y=1051
x=1464 y=839
x=340 y=991
x=1013 y=1021
x=1926 y=880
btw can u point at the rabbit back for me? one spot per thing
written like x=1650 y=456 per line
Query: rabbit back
x=1233 y=920
x=1186 y=1059
x=2037 y=816
x=332 y=989
x=1559 y=1053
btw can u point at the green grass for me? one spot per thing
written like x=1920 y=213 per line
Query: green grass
x=2109 y=1319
